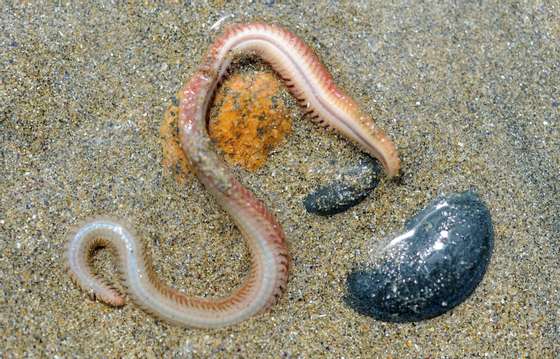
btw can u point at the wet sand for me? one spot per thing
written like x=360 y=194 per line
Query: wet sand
x=469 y=93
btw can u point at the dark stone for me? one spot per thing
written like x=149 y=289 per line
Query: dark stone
x=354 y=185
x=433 y=266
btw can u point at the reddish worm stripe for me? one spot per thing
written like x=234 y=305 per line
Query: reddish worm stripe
x=308 y=81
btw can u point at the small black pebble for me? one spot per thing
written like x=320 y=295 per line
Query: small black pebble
x=337 y=196
x=433 y=266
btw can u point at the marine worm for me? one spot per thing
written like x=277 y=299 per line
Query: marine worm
x=310 y=82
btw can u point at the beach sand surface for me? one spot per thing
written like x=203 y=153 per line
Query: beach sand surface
x=469 y=91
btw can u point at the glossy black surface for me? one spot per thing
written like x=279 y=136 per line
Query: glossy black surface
x=433 y=266
x=354 y=185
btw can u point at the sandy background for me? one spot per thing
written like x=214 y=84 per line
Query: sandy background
x=469 y=92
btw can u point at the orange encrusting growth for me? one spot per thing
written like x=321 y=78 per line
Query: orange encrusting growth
x=174 y=159
x=251 y=118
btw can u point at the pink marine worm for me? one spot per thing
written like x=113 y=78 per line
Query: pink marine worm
x=310 y=82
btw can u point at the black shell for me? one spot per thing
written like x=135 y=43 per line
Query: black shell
x=354 y=185
x=433 y=266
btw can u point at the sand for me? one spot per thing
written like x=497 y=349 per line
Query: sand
x=468 y=91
